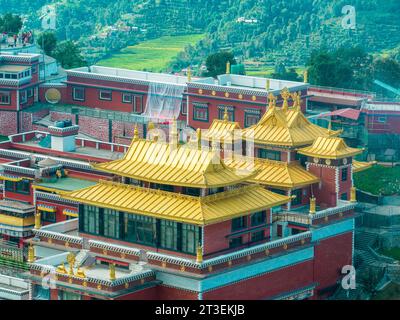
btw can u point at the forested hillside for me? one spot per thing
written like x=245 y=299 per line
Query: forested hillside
x=266 y=31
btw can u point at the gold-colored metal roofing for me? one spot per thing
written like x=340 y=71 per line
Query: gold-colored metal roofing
x=177 y=207
x=221 y=130
x=329 y=148
x=359 y=166
x=274 y=173
x=179 y=165
x=280 y=127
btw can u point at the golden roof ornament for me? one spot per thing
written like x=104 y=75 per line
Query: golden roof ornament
x=295 y=99
x=228 y=67
x=31 y=254
x=112 y=271
x=61 y=269
x=150 y=126
x=226 y=115
x=199 y=254
x=285 y=96
x=38 y=221
x=136 y=134
x=71 y=262
x=80 y=273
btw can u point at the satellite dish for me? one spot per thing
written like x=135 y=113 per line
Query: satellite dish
x=53 y=96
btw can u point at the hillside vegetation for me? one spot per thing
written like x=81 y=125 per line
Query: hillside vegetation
x=261 y=33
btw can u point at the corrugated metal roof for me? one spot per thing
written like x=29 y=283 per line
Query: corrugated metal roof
x=359 y=166
x=274 y=173
x=181 y=165
x=221 y=130
x=177 y=207
x=329 y=148
x=285 y=128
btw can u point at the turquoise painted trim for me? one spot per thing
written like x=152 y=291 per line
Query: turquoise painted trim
x=236 y=275
x=332 y=230
x=256 y=269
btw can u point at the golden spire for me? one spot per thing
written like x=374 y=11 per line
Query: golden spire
x=353 y=194
x=285 y=95
x=189 y=74
x=272 y=101
x=71 y=262
x=305 y=74
x=31 y=254
x=136 y=134
x=228 y=67
x=226 y=115
x=38 y=222
x=199 y=254
x=313 y=205
x=330 y=127
x=150 y=126
x=112 y=272
x=199 y=138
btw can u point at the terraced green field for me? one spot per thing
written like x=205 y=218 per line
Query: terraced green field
x=153 y=55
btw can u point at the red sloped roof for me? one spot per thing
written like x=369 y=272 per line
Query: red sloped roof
x=349 y=113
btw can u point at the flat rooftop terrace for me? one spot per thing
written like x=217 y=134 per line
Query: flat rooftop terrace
x=66 y=184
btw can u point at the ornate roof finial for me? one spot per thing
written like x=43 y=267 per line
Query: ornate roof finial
x=189 y=74
x=112 y=272
x=136 y=134
x=330 y=127
x=199 y=254
x=150 y=126
x=31 y=254
x=228 y=67
x=272 y=101
x=226 y=115
x=38 y=220
x=285 y=95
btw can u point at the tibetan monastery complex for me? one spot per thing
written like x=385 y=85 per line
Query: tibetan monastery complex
x=223 y=190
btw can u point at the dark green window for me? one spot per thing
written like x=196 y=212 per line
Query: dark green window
x=190 y=238
x=111 y=226
x=91 y=216
x=169 y=234
x=10 y=186
x=239 y=223
x=192 y=191
x=257 y=236
x=23 y=186
x=298 y=193
x=235 y=242
x=140 y=229
x=258 y=218
x=269 y=154
x=200 y=113
x=48 y=216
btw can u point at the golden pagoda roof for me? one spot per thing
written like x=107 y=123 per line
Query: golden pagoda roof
x=221 y=130
x=359 y=166
x=280 y=127
x=179 y=165
x=177 y=207
x=274 y=173
x=329 y=148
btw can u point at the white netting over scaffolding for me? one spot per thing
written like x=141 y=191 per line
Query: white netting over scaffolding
x=163 y=101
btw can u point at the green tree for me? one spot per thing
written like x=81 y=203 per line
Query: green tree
x=216 y=63
x=47 y=41
x=68 y=54
x=11 y=23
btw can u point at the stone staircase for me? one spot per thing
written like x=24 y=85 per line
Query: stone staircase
x=81 y=257
x=364 y=239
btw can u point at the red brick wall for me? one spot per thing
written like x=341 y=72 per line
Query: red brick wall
x=215 y=237
x=169 y=293
x=267 y=285
x=330 y=256
x=8 y=123
x=326 y=193
x=94 y=127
